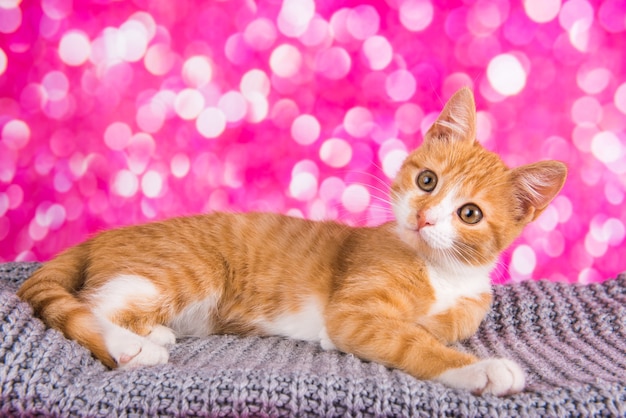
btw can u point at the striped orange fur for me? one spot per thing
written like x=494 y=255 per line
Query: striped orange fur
x=397 y=293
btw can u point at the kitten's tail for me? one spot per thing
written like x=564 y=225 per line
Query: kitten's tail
x=51 y=292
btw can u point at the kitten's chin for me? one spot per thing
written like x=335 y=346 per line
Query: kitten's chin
x=435 y=250
x=414 y=239
x=424 y=239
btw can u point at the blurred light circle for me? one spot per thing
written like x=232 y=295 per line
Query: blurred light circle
x=506 y=74
x=74 y=48
x=606 y=147
x=336 y=152
x=151 y=183
x=258 y=107
x=542 y=11
x=355 y=198
x=57 y=9
x=294 y=16
x=56 y=85
x=305 y=129
x=333 y=63
x=211 y=122
x=408 y=118
x=363 y=21
x=150 y=117
x=233 y=105
x=392 y=161
x=135 y=38
x=237 y=50
x=10 y=19
x=317 y=32
x=117 y=136
x=378 y=52
x=524 y=260
x=260 y=34
x=159 y=59
x=400 y=85
x=332 y=188
x=16 y=134
x=614 y=230
x=416 y=15
x=255 y=80
x=575 y=15
x=188 y=104
x=620 y=98
x=455 y=81
x=285 y=60
x=179 y=165
x=593 y=81
x=197 y=71
x=125 y=183
x=3 y=61
x=303 y=186
x=358 y=121
x=612 y=16
x=586 y=109
x=147 y=21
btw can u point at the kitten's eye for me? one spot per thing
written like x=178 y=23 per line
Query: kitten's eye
x=427 y=180
x=470 y=213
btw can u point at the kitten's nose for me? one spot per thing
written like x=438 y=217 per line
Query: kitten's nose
x=422 y=221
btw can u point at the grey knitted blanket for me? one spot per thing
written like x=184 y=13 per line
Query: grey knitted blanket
x=570 y=339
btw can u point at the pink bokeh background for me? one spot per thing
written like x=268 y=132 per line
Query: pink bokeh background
x=114 y=113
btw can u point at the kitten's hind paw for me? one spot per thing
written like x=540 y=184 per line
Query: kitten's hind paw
x=492 y=376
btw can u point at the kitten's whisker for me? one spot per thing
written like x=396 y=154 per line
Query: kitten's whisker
x=383 y=182
x=384 y=192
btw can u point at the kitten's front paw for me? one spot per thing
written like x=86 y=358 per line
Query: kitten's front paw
x=492 y=376
x=144 y=353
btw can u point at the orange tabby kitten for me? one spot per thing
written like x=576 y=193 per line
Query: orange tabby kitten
x=396 y=294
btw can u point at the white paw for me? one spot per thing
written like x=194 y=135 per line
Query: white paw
x=494 y=376
x=131 y=350
x=149 y=354
x=162 y=335
x=325 y=341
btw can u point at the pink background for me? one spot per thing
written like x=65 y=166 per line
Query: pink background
x=114 y=113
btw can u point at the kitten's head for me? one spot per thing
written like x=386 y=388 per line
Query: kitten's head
x=457 y=203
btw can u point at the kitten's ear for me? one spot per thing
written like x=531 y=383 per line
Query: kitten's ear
x=457 y=119
x=535 y=187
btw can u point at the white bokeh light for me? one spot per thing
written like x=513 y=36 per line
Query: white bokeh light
x=294 y=16
x=506 y=74
x=606 y=147
x=151 y=184
x=303 y=186
x=211 y=122
x=234 y=106
x=416 y=15
x=74 y=48
x=285 y=61
x=255 y=81
x=197 y=71
x=355 y=198
x=400 y=85
x=188 y=104
x=125 y=183
x=524 y=260
x=542 y=11
x=336 y=152
x=305 y=129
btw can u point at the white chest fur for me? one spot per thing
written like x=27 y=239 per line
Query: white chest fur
x=450 y=285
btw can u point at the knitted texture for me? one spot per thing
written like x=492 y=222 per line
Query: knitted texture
x=570 y=339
